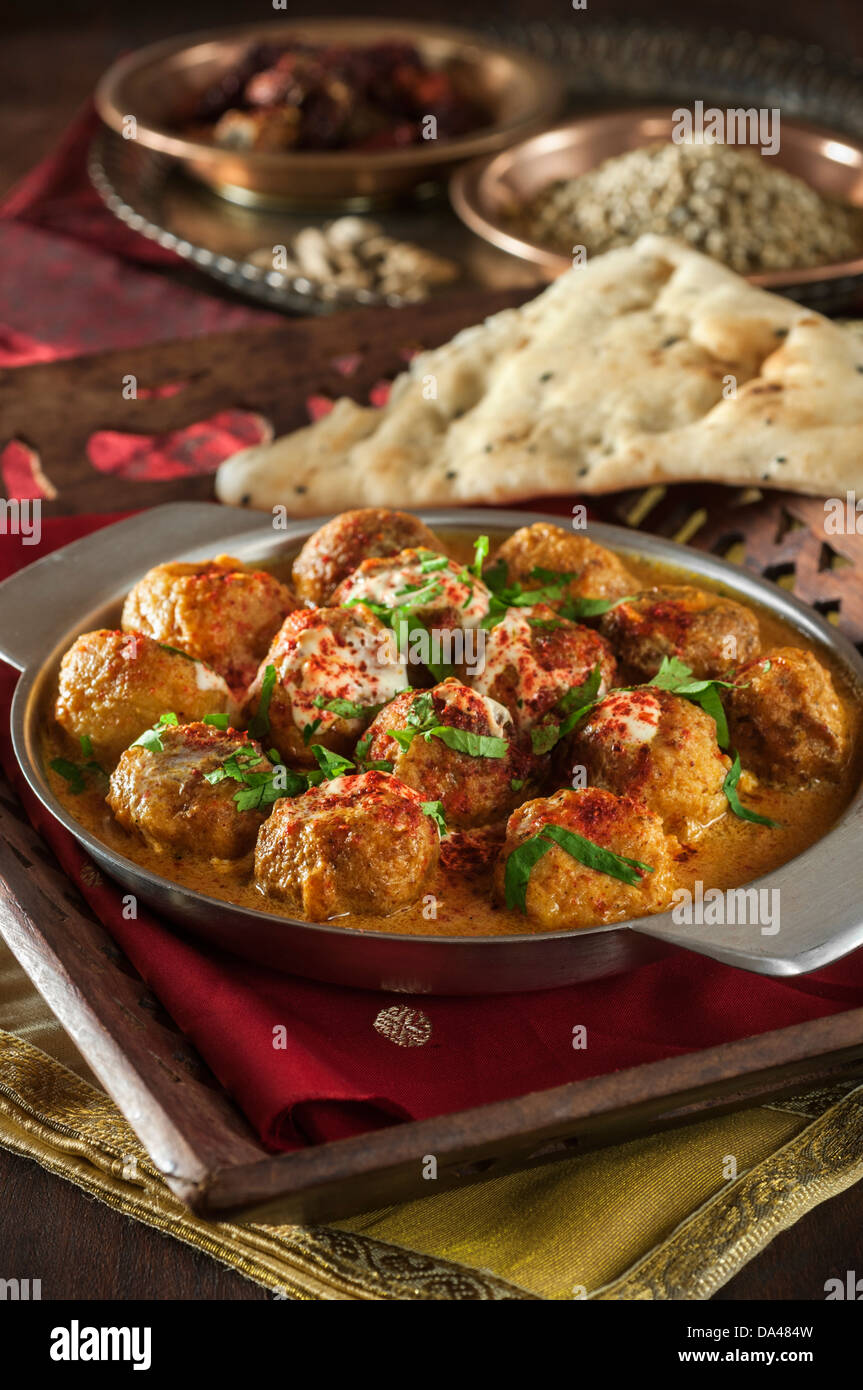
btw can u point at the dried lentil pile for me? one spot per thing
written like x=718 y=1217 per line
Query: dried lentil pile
x=735 y=205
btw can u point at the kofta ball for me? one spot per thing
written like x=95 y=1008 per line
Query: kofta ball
x=786 y=720
x=709 y=633
x=217 y=611
x=439 y=591
x=562 y=892
x=339 y=547
x=596 y=572
x=532 y=658
x=324 y=678
x=477 y=782
x=114 y=685
x=160 y=792
x=659 y=748
x=356 y=844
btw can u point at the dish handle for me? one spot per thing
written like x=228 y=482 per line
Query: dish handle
x=779 y=920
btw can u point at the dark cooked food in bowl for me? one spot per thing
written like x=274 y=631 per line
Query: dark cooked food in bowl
x=302 y=96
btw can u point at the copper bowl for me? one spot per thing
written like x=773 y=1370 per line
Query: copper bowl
x=159 y=85
x=486 y=192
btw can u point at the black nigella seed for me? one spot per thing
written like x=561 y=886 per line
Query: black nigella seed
x=546 y=376
x=301 y=487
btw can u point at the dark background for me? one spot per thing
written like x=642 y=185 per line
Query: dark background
x=53 y=51
x=51 y=54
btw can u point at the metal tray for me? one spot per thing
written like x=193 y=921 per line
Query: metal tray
x=605 y=65
x=80 y=587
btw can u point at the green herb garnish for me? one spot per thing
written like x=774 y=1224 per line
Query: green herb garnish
x=71 y=773
x=520 y=863
x=422 y=720
x=331 y=764
x=480 y=552
x=76 y=774
x=150 y=737
x=729 y=786
x=578 y=608
x=572 y=705
x=345 y=709
x=434 y=810
x=218 y=721
x=675 y=676
x=260 y=724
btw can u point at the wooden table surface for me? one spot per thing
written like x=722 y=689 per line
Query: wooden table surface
x=52 y=55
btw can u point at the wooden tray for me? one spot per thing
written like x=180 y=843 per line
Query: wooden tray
x=193 y=1131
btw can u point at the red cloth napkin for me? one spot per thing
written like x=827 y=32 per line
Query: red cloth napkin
x=64 y=285
x=340 y=1074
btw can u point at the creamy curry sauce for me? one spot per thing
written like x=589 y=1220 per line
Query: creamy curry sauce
x=730 y=853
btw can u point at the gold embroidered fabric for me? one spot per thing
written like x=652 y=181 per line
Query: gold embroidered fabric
x=672 y=1216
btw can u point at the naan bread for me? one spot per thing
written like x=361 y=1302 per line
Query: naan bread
x=649 y=364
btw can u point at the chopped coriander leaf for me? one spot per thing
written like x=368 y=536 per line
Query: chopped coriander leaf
x=71 y=773
x=463 y=741
x=150 y=739
x=345 y=709
x=557 y=578
x=405 y=625
x=363 y=746
x=519 y=867
x=576 y=608
x=546 y=624
x=380 y=610
x=729 y=786
x=544 y=737
x=421 y=711
x=237 y=765
x=517 y=783
x=309 y=730
x=434 y=810
x=331 y=764
x=260 y=724
x=422 y=719
x=495 y=576
x=573 y=705
x=581 y=695
x=419 y=594
x=675 y=676
x=274 y=755
x=176 y=651
x=378 y=765
x=218 y=721
x=480 y=553
x=672 y=672
x=86 y=745
x=525 y=856
x=403 y=737
x=433 y=563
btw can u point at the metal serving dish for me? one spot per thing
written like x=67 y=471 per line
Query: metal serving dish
x=160 y=84
x=485 y=192
x=47 y=605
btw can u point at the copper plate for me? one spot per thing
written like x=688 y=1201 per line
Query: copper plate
x=159 y=83
x=485 y=192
